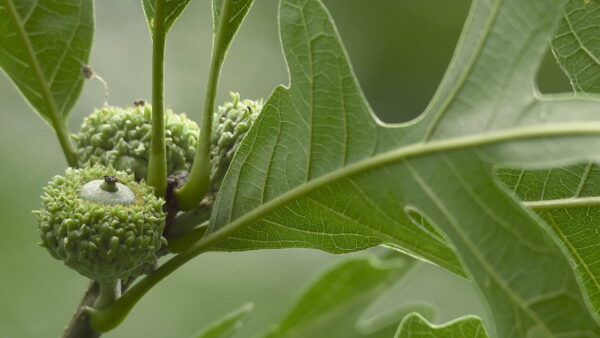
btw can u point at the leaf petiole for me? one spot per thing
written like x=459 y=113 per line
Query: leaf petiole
x=191 y=194
x=157 y=164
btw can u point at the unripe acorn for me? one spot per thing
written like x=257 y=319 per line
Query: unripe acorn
x=101 y=223
x=121 y=138
x=231 y=122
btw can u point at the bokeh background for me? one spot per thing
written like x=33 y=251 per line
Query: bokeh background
x=399 y=49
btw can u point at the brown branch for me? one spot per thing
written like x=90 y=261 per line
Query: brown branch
x=80 y=327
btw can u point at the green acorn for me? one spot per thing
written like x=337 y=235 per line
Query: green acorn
x=231 y=122
x=101 y=223
x=121 y=138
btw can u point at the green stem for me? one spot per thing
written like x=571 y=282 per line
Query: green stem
x=179 y=244
x=55 y=118
x=109 y=293
x=106 y=319
x=191 y=194
x=157 y=165
x=64 y=138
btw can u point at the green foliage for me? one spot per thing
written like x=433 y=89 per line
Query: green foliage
x=228 y=325
x=317 y=170
x=121 y=137
x=105 y=238
x=565 y=197
x=415 y=326
x=331 y=305
x=382 y=323
x=238 y=12
x=549 y=192
x=173 y=8
x=341 y=106
x=575 y=44
x=43 y=45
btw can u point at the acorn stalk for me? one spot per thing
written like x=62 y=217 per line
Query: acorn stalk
x=109 y=292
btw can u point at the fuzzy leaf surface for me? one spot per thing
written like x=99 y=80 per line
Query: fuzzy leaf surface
x=43 y=45
x=415 y=326
x=173 y=8
x=576 y=46
x=318 y=170
x=577 y=225
x=227 y=326
x=239 y=10
x=577 y=49
x=331 y=305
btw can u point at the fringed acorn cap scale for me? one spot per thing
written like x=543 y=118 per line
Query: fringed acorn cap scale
x=231 y=122
x=121 y=138
x=101 y=222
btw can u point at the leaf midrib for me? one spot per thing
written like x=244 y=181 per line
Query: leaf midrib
x=54 y=115
x=410 y=151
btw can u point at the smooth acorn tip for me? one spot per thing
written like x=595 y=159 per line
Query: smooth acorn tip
x=107 y=191
x=110 y=184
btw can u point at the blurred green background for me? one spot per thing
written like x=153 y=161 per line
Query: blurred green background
x=399 y=49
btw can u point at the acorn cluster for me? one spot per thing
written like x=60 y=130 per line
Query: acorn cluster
x=231 y=122
x=105 y=222
x=121 y=138
x=101 y=222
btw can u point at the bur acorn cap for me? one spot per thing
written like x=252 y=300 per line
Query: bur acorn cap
x=121 y=138
x=231 y=122
x=101 y=222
